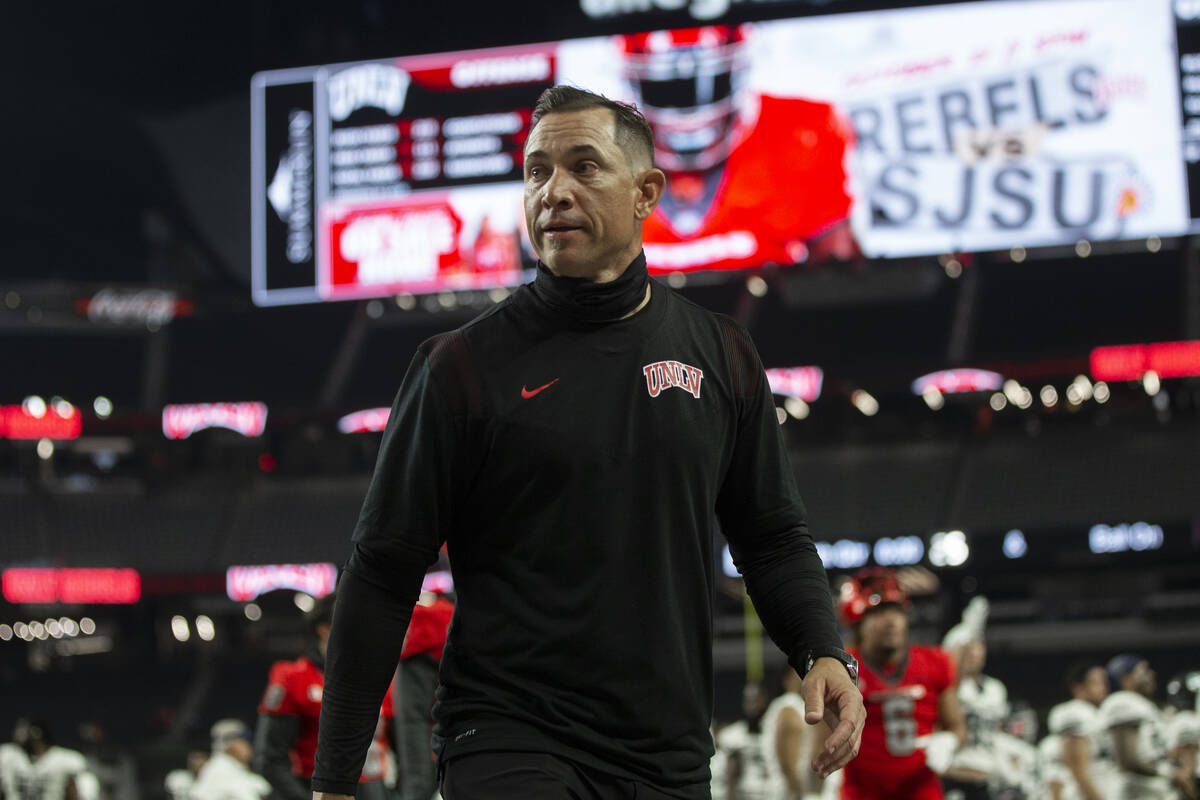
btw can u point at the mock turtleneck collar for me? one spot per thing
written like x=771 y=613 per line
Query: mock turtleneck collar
x=584 y=300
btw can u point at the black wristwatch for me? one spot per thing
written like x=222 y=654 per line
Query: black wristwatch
x=848 y=661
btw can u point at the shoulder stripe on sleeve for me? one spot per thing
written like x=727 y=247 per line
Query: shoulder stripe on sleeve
x=744 y=368
x=454 y=372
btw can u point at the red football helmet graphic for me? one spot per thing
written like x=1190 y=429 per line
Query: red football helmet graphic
x=687 y=82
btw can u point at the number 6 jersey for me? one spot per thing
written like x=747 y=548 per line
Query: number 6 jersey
x=902 y=704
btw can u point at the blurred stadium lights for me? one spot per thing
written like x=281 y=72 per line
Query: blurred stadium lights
x=34 y=406
x=864 y=402
x=756 y=286
x=1014 y=545
x=102 y=406
x=933 y=398
x=1131 y=362
x=1083 y=388
x=304 y=602
x=796 y=407
x=844 y=554
x=958 y=381
x=998 y=401
x=86 y=626
x=1151 y=383
x=205 y=628
x=1138 y=536
x=1049 y=396
x=900 y=551
x=801 y=382
x=948 y=549
x=1100 y=392
x=253 y=612
x=180 y=629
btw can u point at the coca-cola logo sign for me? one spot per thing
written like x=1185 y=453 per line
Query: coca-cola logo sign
x=181 y=421
x=153 y=307
x=246 y=583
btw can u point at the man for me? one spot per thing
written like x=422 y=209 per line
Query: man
x=744 y=770
x=786 y=738
x=285 y=740
x=1135 y=727
x=35 y=768
x=1081 y=759
x=571 y=447
x=226 y=774
x=416 y=680
x=984 y=702
x=1183 y=727
x=179 y=782
x=909 y=692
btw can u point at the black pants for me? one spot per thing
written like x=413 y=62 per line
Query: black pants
x=535 y=776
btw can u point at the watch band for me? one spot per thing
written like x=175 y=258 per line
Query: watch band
x=811 y=656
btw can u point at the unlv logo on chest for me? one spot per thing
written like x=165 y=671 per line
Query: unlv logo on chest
x=672 y=374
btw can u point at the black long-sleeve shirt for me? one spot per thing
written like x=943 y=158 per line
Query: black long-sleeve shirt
x=574 y=469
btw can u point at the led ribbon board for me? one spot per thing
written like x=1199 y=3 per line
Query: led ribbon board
x=118 y=586
x=181 y=421
x=17 y=423
x=370 y=420
x=1131 y=362
x=802 y=382
x=244 y=583
x=958 y=381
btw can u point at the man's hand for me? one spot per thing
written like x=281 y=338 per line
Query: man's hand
x=830 y=695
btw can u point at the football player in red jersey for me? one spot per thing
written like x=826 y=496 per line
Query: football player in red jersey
x=285 y=741
x=414 y=685
x=753 y=178
x=909 y=691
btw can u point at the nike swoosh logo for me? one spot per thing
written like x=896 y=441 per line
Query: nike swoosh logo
x=528 y=393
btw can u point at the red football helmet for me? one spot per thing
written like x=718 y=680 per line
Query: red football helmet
x=868 y=589
x=687 y=82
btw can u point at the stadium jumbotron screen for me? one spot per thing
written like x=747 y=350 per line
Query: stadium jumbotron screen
x=977 y=126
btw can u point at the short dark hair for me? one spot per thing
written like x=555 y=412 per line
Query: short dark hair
x=1077 y=673
x=632 y=131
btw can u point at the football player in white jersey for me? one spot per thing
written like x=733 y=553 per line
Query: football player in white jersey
x=1080 y=759
x=1139 y=738
x=226 y=775
x=984 y=702
x=1183 y=724
x=38 y=769
x=745 y=771
x=786 y=743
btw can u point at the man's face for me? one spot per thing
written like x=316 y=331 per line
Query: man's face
x=1142 y=680
x=584 y=198
x=972 y=657
x=884 y=628
x=1095 y=685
